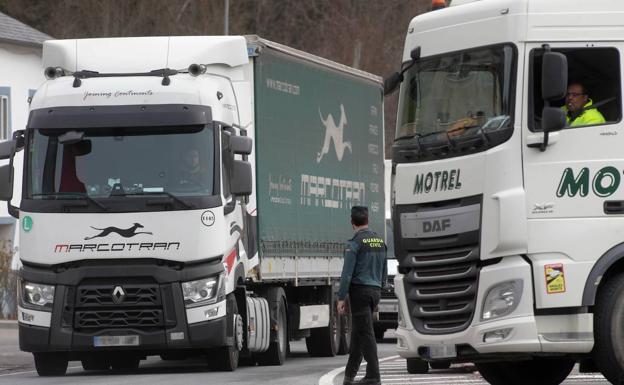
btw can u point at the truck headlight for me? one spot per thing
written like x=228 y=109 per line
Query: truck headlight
x=202 y=291
x=37 y=294
x=502 y=299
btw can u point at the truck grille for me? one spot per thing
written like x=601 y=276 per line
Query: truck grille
x=118 y=318
x=440 y=274
x=139 y=295
x=96 y=306
x=442 y=292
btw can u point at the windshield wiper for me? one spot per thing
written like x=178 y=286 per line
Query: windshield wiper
x=167 y=193
x=74 y=194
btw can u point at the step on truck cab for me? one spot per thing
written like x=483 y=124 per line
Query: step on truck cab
x=507 y=209
x=189 y=195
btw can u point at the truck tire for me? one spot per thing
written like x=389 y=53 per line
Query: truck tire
x=225 y=358
x=95 y=363
x=608 y=349
x=417 y=366
x=539 y=370
x=50 y=364
x=276 y=354
x=440 y=364
x=345 y=334
x=324 y=342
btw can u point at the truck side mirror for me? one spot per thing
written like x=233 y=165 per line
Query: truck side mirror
x=554 y=76
x=392 y=82
x=6 y=182
x=242 y=145
x=241 y=183
x=553 y=119
x=7 y=149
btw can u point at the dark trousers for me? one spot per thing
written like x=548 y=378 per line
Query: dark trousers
x=363 y=300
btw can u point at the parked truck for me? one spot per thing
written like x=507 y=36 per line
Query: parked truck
x=508 y=220
x=189 y=195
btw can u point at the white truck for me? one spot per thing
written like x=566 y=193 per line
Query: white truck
x=508 y=222
x=189 y=195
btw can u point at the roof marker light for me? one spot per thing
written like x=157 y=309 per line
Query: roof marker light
x=197 y=69
x=438 y=4
x=53 y=72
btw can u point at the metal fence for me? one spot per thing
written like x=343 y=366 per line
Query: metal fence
x=8 y=286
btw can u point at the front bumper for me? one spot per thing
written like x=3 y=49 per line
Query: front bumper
x=529 y=334
x=162 y=324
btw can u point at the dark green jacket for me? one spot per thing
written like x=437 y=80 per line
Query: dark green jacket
x=364 y=262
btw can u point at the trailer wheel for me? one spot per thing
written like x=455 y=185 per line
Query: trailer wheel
x=50 y=364
x=609 y=329
x=345 y=334
x=417 y=366
x=225 y=358
x=539 y=370
x=324 y=342
x=276 y=354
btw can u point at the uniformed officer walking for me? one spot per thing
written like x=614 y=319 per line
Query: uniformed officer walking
x=363 y=273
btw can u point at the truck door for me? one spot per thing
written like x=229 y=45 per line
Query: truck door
x=575 y=187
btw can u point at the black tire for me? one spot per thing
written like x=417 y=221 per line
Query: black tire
x=608 y=349
x=50 y=364
x=225 y=358
x=537 y=371
x=276 y=354
x=125 y=364
x=96 y=363
x=417 y=366
x=440 y=365
x=324 y=342
x=345 y=334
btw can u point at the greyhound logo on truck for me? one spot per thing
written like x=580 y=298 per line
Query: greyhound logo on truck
x=334 y=133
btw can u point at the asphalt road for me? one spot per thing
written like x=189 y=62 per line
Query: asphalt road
x=300 y=369
x=17 y=368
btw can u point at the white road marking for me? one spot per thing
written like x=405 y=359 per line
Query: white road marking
x=394 y=372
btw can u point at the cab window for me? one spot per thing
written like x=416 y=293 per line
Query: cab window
x=594 y=92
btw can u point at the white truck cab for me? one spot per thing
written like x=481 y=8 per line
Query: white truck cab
x=508 y=212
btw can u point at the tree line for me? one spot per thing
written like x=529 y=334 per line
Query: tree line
x=366 y=34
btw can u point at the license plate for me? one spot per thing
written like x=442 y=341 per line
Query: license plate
x=104 y=341
x=442 y=351
x=388 y=308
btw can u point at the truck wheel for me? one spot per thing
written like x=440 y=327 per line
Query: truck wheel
x=417 y=366
x=276 y=354
x=324 y=342
x=440 y=364
x=50 y=364
x=345 y=334
x=609 y=329
x=96 y=363
x=539 y=370
x=225 y=358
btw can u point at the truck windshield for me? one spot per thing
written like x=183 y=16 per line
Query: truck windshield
x=455 y=104
x=174 y=162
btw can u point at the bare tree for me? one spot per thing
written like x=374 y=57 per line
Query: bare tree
x=368 y=34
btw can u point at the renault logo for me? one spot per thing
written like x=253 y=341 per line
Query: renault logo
x=118 y=295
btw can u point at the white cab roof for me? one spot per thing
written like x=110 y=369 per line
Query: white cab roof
x=142 y=54
x=473 y=23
